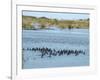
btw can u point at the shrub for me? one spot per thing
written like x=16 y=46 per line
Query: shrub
x=70 y=27
x=43 y=26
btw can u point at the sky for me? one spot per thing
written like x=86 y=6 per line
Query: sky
x=54 y=15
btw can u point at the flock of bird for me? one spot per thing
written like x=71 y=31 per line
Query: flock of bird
x=53 y=52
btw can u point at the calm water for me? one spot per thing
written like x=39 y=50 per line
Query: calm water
x=55 y=39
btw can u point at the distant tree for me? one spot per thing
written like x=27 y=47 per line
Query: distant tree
x=56 y=21
x=80 y=19
x=62 y=27
x=70 y=27
x=77 y=27
x=88 y=19
x=43 y=26
x=43 y=18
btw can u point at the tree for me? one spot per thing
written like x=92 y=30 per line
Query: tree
x=70 y=27
x=43 y=26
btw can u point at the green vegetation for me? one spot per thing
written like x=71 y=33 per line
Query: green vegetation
x=30 y=22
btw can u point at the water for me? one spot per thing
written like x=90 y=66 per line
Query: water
x=55 y=39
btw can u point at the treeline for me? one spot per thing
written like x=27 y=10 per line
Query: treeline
x=30 y=22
